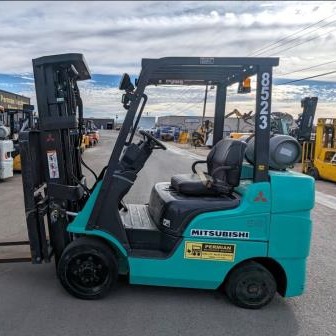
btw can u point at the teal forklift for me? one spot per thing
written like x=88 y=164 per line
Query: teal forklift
x=238 y=227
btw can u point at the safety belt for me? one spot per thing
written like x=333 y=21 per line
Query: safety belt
x=206 y=179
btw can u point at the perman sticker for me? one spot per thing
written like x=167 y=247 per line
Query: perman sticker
x=209 y=251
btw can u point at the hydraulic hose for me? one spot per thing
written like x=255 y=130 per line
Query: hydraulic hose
x=80 y=128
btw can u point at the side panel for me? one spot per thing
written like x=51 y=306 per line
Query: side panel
x=218 y=225
x=291 y=226
x=78 y=225
x=249 y=221
x=252 y=216
x=296 y=275
x=291 y=191
x=290 y=235
x=289 y=245
x=189 y=272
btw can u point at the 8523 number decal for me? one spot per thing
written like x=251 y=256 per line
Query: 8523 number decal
x=264 y=103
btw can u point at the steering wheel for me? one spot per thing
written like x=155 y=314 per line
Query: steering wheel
x=158 y=144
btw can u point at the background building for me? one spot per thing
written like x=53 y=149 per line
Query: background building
x=191 y=123
x=102 y=123
x=12 y=101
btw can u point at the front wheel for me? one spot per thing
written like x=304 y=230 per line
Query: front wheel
x=250 y=285
x=87 y=268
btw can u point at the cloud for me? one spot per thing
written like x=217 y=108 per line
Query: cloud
x=115 y=36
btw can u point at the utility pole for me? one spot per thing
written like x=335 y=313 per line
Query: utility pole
x=204 y=105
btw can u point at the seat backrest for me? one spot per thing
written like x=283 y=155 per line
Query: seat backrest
x=227 y=152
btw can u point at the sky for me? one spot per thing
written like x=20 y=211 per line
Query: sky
x=115 y=36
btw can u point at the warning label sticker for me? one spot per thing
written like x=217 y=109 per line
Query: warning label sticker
x=53 y=164
x=209 y=251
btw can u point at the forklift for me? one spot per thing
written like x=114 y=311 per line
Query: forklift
x=245 y=117
x=284 y=123
x=16 y=125
x=200 y=136
x=240 y=228
x=319 y=156
x=302 y=130
x=91 y=133
x=6 y=149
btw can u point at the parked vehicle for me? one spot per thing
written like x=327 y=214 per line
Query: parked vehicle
x=166 y=133
x=152 y=130
x=319 y=155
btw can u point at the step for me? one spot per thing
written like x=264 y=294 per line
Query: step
x=142 y=233
x=137 y=218
x=151 y=254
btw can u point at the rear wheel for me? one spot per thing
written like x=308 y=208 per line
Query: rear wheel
x=250 y=285
x=88 y=268
x=313 y=172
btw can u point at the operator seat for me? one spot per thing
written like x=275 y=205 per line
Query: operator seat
x=224 y=163
x=173 y=205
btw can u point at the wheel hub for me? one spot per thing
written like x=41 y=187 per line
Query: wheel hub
x=253 y=289
x=88 y=271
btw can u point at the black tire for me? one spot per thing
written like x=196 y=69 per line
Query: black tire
x=250 y=286
x=197 y=143
x=88 y=268
x=313 y=172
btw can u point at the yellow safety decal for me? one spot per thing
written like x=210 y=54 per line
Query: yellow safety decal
x=209 y=251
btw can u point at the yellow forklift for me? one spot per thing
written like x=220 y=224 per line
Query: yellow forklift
x=200 y=136
x=319 y=156
x=203 y=134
